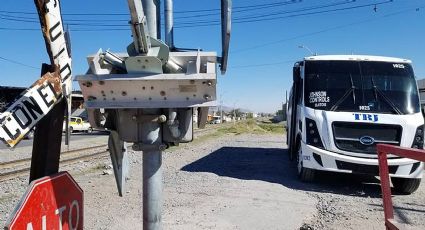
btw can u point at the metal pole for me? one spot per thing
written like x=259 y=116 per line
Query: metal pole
x=152 y=189
x=158 y=18
x=221 y=107
x=140 y=31
x=150 y=7
x=169 y=23
x=152 y=173
x=286 y=96
x=385 y=186
x=151 y=143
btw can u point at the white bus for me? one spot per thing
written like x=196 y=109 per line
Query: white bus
x=341 y=106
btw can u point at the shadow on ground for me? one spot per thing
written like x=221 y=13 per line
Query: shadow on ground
x=272 y=165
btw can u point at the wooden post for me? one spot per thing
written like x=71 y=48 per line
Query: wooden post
x=48 y=139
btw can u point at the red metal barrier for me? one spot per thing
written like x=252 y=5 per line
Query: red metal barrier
x=383 y=150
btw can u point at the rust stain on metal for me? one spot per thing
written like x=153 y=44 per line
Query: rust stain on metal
x=187 y=88
x=14 y=142
x=52 y=78
x=45 y=24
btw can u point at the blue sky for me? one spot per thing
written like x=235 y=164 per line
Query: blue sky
x=264 y=43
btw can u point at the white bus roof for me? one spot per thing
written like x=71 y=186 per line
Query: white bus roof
x=356 y=58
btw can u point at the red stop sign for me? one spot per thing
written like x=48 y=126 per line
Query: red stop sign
x=51 y=202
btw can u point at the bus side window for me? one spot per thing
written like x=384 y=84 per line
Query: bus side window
x=300 y=92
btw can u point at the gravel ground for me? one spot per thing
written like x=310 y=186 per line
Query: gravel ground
x=232 y=182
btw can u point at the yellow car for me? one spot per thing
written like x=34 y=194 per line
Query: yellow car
x=77 y=124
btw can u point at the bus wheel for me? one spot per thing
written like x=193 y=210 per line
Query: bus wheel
x=405 y=185
x=305 y=174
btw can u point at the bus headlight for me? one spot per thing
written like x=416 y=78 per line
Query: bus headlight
x=312 y=134
x=418 y=141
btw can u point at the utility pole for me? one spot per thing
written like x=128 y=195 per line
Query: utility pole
x=286 y=96
x=221 y=107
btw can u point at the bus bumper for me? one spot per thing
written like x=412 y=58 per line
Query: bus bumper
x=320 y=159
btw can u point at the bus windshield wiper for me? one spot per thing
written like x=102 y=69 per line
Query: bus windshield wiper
x=377 y=92
x=346 y=94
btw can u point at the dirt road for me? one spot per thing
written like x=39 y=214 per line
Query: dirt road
x=233 y=182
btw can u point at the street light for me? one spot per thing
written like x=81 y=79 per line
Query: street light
x=308 y=49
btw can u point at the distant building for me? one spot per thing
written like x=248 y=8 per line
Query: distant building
x=8 y=95
x=77 y=100
x=281 y=114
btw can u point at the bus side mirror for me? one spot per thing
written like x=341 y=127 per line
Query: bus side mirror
x=296 y=74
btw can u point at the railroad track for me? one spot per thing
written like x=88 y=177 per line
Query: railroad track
x=67 y=157
x=21 y=167
x=24 y=161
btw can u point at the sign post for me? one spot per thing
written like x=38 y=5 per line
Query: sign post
x=51 y=202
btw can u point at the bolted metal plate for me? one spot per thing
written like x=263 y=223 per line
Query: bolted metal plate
x=144 y=64
x=148 y=91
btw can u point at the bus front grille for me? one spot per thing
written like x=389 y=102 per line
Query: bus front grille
x=352 y=136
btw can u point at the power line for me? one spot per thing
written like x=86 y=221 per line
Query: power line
x=317 y=12
x=8 y=18
x=244 y=8
x=238 y=9
x=18 y=29
x=257 y=7
x=314 y=33
x=69 y=14
x=33 y=18
x=237 y=20
x=328 y=29
x=260 y=65
x=244 y=49
x=262 y=15
x=117 y=27
x=18 y=63
x=265 y=17
x=234 y=9
x=310 y=8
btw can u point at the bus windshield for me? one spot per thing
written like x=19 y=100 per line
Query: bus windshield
x=360 y=86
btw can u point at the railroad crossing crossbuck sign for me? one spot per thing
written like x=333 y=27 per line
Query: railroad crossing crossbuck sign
x=52 y=202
